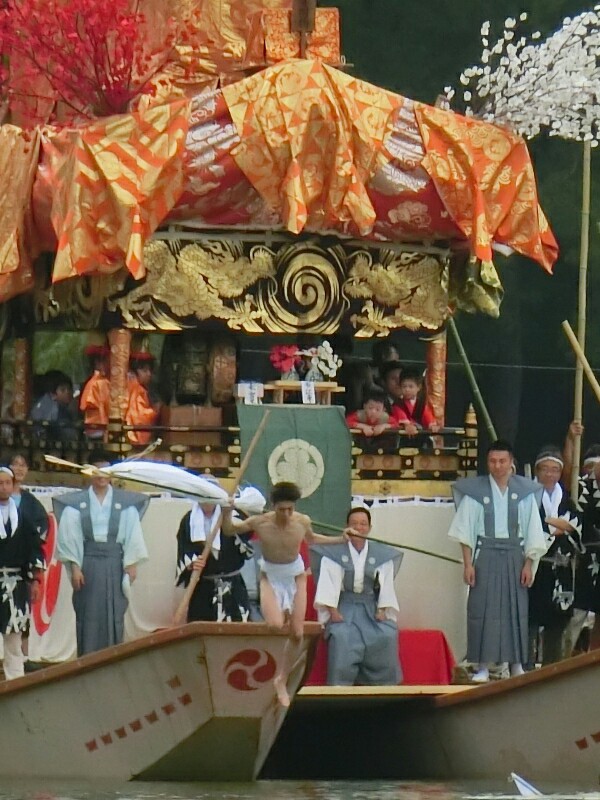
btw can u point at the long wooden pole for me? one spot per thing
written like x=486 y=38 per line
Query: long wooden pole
x=326 y=526
x=582 y=361
x=584 y=244
x=473 y=381
x=182 y=609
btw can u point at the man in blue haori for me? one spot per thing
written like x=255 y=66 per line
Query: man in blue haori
x=101 y=542
x=499 y=528
x=356 y=602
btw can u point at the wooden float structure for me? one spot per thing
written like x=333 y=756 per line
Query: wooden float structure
x=195 y=702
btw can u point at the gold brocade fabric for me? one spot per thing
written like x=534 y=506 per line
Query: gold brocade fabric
x=19 y=155
x=281 y=43
x=221 y=36
x=485 y=178
x=475 y=287
x=310 y=139
x=114 y=182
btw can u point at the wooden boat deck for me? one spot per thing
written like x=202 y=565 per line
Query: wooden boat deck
x=371 y=692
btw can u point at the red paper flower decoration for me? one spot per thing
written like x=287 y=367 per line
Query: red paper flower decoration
x=284 y=357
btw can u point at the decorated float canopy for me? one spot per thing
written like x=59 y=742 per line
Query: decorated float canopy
x=295 y=199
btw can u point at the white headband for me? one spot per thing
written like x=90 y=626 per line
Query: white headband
x=7 y=471
x=592 y=460
x=549 y=458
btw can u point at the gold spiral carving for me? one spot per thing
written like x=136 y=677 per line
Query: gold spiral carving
x=306 y=296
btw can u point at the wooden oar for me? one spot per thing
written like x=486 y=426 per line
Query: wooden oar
x=589 y=372
x=89 y=470
x=370 y=538
x=182 y=609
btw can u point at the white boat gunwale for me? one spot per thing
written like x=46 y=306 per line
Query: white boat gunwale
x=162 y=638
x=549 y=673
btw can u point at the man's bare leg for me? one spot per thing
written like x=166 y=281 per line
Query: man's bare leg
x=294 y=642
x=269 y=607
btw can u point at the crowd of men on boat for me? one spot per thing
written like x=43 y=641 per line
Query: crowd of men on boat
x=530 y=552
x=530 y=560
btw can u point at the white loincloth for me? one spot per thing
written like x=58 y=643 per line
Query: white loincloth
x=282 y=578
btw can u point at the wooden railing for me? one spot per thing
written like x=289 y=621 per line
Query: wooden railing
x=393 y=463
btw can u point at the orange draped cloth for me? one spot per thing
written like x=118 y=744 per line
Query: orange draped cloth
x=139 y=411
x=485 y=178
x=95 y=401
x=310 y=140
x=114 y=181
x=19 y=154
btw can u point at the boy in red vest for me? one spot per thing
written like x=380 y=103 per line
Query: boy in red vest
x=413 y=412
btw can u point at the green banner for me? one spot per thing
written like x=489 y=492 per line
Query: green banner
x=308 y=445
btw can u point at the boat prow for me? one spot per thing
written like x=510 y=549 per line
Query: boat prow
x=194 y=702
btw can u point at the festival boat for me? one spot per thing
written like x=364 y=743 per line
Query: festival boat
x=544 y=725
x=220 y=242
x=190 y=703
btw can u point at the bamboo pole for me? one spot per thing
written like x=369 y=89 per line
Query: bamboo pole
x=582 y=361
x=584 y=243
x=326 y=526
x=473 y=381
x=182 y=609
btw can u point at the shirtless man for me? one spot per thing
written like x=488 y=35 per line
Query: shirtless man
x=282 y=574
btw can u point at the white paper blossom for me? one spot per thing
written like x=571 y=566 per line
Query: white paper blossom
x=324 y=359
x=530 y=85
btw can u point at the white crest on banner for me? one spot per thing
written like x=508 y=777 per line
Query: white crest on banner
x=297 y=461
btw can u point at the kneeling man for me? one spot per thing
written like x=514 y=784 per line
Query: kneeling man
x=356 y=602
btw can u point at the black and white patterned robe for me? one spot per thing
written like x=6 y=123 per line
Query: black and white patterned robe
x=20 y=554
x=587 y=575
x=552 y=596
x=221 y=594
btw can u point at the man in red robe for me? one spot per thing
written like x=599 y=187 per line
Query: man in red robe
x=142 y=409
x=94 y=402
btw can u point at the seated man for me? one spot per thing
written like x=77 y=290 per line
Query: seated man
x=54 y=407
x=94 y=402
x=142 y=407
x=372 y=419
x=356 y=602
x=411 y=410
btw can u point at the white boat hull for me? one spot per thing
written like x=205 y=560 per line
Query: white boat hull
x=545 y=725
x=191 y=703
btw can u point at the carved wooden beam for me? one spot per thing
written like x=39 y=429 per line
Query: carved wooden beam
x=436 y=376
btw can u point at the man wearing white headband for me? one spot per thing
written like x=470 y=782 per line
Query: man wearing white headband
x=21 y=566
x=551 y=597
x=101 y=542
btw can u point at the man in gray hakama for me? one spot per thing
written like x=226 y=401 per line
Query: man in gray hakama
x=498 y=525
x=356 y=602
x=100 y=540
